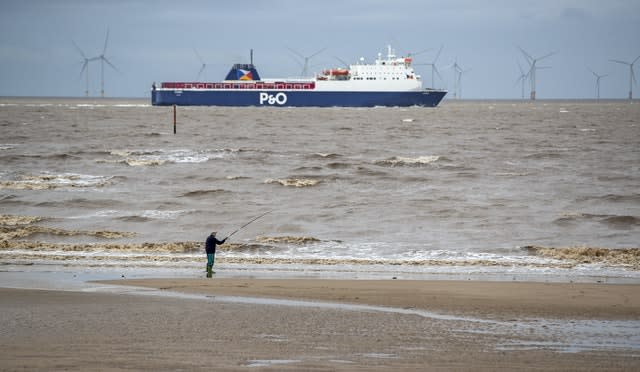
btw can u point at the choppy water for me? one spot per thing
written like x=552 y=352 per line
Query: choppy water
x=465 y=181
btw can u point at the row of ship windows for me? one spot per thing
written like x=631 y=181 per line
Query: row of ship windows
x=373 y=78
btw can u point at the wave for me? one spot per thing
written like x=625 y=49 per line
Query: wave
x=622 y=222
x=56 y=156
x=53 y=181
x=137 y=158
x=580 y=255
x=80 y=202
x=153 y=214
x=202 y=193
x=294 y=182
x=168 y=247
x=233 y=178
x=287 y=239
x=411 y=162
x=614 y=198
x=545 y=155
x=12 y=220
x=338 y=165
x=133 y=219
x=320 y=155
x=24 y=231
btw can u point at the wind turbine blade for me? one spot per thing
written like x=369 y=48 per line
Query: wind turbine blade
x=527 y=56
x=198 y=56
x=518 y=80
x=296 y=53
x=110 y=64
x=106 y=40
x=79 y=50
x=635 y=60
x=438 y=54
x=546 y=55
x=435 y=69
x=622 y=62
x=84 y=66
x=341 y=61
x=201 y=69
x=318 y=52
x=298 y=61
x=418 y=53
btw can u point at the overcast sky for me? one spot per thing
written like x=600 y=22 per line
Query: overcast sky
x=155 y=41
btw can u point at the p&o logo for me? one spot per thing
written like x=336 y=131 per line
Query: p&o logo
x=272 y=99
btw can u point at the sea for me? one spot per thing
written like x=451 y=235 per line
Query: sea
x=512 y=190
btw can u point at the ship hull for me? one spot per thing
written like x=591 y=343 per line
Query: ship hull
x=214 y=97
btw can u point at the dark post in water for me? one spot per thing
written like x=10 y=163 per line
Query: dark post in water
x=174 y=119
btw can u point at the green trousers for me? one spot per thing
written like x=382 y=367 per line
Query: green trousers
x=210 y=260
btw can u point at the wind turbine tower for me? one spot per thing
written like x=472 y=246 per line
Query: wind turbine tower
x=521 y=79
x=632 y=75
x=533 y=67
x=104 y=59
x=434 y=68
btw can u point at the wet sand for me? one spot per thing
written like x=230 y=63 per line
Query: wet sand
x=56 y=330
x=492 y=299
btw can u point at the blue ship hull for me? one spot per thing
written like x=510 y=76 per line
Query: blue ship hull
x=202 y=97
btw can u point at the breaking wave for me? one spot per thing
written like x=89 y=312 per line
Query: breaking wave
x=294 y=182
x=53 y=181
x=629 y=257
x=20 y=231
x=136 y=158
x=410 y=162
x=287 y=239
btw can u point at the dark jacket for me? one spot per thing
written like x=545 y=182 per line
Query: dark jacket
x=210 y=245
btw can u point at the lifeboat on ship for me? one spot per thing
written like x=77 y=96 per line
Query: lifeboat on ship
x=336 y=72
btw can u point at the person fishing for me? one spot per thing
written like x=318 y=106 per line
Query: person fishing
x=211 y=243
x=210 y=248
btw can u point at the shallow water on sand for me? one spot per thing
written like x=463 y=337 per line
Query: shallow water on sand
x=465 y=181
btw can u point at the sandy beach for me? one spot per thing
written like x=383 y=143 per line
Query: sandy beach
x=338 y=325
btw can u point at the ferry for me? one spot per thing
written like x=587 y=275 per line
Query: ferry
x=389 y=81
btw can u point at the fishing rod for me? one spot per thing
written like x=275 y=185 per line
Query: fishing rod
x=248 y=223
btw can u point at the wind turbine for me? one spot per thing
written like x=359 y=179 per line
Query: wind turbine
x=532 y=71
x=305 y=67
x=434 y=68
x=457 y=76
x=521 y=79
x=632 y=75
x=104 y=59
x=598 y=77
x=85 y=66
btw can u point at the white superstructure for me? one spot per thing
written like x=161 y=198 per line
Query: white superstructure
x=390 y=74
